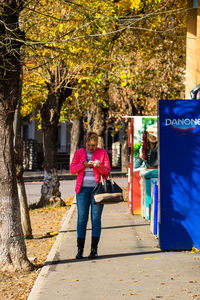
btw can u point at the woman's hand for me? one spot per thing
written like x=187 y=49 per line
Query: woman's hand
x=88 y=164
x=96 y=164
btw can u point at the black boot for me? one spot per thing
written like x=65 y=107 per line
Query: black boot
x=93 y=253
x=80 y=245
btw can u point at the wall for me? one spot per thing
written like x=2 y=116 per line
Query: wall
x=193 y=47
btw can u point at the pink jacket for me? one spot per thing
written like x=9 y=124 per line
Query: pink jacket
x=77 y=166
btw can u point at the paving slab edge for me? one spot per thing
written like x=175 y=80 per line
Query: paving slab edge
x=37 y=287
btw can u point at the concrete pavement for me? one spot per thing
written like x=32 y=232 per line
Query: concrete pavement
x=130 y=264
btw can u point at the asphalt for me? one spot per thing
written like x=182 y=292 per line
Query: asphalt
x=30 y=176
x=130 y=264
x=67 y=188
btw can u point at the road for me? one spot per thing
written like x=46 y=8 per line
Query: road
x=67 y=188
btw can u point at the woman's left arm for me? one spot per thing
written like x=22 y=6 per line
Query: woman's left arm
x=104 y=167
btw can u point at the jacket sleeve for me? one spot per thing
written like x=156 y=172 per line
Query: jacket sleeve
x=104 y=168
x=76 y=166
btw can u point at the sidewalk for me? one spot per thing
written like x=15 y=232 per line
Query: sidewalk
x=130 y=264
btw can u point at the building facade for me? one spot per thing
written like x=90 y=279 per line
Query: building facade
x=193 y=47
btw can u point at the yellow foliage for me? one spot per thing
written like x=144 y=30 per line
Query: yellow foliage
x=123 y=84
x=82 y=42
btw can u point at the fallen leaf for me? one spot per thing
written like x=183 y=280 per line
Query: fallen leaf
x=119 y=279
x=132 y=293
x=195 y=249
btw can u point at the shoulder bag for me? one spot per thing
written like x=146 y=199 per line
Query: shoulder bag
x=107 y=192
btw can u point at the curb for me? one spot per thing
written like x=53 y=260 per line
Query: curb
x=31 y=178
x=37 y=287
x=40 y=177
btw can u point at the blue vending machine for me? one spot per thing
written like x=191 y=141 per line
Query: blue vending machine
x=179 y=174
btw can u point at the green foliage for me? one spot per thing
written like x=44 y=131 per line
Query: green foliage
x=146 y=122
x=137 y=148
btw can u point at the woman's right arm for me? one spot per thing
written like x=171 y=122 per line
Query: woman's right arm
x=76 y=165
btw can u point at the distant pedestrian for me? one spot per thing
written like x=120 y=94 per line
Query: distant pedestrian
x=89 y=163
x=148 y=152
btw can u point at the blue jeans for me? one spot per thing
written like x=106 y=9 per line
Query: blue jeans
x=84 y=199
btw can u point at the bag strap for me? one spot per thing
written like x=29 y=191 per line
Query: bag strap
x=109 y=178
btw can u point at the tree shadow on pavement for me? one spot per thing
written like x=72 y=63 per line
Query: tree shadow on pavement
x=100 y=257
x=109 y=227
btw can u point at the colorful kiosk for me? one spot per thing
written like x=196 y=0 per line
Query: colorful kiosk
x=142 y=142
x=168 y=196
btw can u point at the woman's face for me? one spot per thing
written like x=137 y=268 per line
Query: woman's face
x=152 y=138
x=91 y=146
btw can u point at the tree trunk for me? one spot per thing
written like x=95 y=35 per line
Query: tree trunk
x=96 y=123
x=24 y=209
x=50 y=188
x=50 y=114
x=124 y=152
x=99 y=125
x=12 y=247
x=75 y=137
x=18 y=144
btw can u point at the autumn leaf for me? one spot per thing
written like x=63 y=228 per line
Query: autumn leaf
x=132 y=293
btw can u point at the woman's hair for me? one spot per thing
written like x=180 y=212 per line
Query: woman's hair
x=90 y=135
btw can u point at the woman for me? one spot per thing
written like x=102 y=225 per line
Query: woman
x=89 y=163
x=148 y=152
